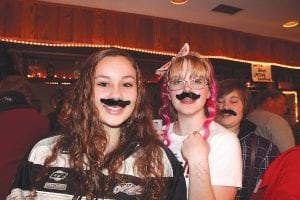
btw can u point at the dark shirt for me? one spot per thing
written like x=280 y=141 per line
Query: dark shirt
x=265 y=153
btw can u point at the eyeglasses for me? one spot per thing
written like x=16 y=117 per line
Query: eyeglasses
x=196 y=84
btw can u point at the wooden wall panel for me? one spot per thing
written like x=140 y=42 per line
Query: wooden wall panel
x=98 y=23
x=248 y=47
x=65 y=17
x=159 y=35
x=207 y=44
x=227 y=48
x=196 y=44
x=145 y=36
x=81 y=25
x=292 y=53
x=32 y=20
x=262 y=49
x=217 y=44
x=131 y=24
x=48 y=30
x=28 y=20
x=184 y=33
x=12 y=18
x=171 y=33
x=114 y=29
x=277 y=50
x=240 y=45
x=138 y=31
x=3 y=14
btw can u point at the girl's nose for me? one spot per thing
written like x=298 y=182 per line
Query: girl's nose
x=226 y=105
x=116 y=93
x=187 y=87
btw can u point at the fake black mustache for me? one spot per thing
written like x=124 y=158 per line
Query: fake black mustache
x=187 y=94
x=112 y=102
x=228 y=111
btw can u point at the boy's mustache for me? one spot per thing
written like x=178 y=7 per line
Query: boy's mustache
x=189 y=95
x=228 y=111
x=112 y=102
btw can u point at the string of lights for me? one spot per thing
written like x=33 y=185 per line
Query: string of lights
x=88 y=45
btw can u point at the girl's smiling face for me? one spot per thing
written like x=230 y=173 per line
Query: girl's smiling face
x=189 y=106
x=115 y=78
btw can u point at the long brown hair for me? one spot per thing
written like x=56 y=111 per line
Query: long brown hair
x=84 y=138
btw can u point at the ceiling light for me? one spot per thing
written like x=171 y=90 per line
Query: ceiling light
x=178 y=2
x=290 y=24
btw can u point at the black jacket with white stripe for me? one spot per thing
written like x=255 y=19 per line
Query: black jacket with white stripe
x=60 y=182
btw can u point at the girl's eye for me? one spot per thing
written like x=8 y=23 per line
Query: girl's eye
x=127 y=84
x=234 y=102
x=103 y=84
x=219 y=100
x=177 y=82
x=199 y=81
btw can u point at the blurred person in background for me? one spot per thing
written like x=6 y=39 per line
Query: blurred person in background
x=269 y=108
x=21 y=126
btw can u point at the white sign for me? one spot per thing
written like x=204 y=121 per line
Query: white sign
x=261 y=73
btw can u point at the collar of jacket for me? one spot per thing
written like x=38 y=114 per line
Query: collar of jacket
x=246 y=128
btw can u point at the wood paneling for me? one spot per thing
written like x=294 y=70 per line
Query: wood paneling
x=27 y=20
x=47 y=14
x=32 y=20
x=98 y=27
x=64 y=30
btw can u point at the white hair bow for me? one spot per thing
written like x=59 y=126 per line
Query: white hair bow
x=183 y=51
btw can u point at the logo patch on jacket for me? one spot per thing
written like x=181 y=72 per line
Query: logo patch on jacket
x=58 y=175
x=55 y=186
x=128 y=188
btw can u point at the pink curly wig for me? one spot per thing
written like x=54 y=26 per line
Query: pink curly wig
x=200 y=66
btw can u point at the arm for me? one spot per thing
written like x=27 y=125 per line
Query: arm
x=195 y=150
x=199 y=175
x=224 y=168
x=225 y=192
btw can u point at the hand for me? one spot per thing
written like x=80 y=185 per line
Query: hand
x=195 y=148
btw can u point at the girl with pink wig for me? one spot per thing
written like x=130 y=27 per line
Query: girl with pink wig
x=209 y=153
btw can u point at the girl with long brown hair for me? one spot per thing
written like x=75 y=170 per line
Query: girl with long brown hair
x=108 y=148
